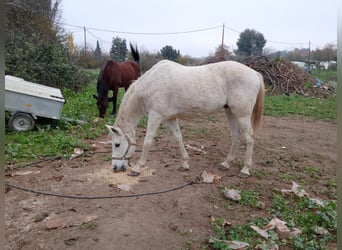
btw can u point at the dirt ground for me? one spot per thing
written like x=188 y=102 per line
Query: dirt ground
x=287 y=149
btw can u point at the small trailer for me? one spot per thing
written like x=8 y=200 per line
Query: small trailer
x=27 y=101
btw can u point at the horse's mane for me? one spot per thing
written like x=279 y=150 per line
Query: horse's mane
x=102 y=89
x=109 y=62
x=135 y=53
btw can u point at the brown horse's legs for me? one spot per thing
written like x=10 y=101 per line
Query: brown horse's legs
x=115 y=94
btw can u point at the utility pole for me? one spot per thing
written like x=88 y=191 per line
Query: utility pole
x=85 y=46
x=222 y=57
x=309 y=63
x=222 y=43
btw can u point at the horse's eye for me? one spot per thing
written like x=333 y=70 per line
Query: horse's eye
x=117 y=145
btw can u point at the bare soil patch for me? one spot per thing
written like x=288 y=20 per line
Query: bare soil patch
x=287 y=149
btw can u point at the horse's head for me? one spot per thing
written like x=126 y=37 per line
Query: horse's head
x=102 y=104
x=102 y=98
x=122 y=149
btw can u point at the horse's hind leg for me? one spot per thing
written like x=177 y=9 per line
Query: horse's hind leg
x=174 y=128
x=247 y=132
x=235 y=137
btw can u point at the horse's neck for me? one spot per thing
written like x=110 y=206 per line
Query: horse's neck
x=129 y=114
x=102 y=88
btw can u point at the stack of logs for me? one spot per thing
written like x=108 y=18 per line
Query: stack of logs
x=284 y=77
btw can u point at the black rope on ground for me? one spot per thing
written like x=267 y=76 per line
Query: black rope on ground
x=24 y=165
x=9 y=185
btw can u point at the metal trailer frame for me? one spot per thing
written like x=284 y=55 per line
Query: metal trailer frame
x=27 y=101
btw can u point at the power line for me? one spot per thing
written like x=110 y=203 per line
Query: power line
x=89 y=29
x=287 y=43
x=147 y=33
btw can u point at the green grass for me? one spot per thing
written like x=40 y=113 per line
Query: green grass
x=59 y=138
x=283 y=105
x=325 y=75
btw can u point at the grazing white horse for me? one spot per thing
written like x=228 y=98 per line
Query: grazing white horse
x=169 y=91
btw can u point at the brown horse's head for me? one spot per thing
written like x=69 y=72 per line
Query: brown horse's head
x=102 y=104
x=102 y=98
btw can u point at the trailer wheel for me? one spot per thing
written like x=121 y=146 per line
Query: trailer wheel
x=21 y=122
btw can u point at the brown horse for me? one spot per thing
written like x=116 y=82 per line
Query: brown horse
x=114 y=76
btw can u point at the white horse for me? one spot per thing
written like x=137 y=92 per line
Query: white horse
x=169 y=91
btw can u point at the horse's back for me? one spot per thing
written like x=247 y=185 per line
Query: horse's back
x=177 y=88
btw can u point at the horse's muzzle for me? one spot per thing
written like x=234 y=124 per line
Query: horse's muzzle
x=117 y=168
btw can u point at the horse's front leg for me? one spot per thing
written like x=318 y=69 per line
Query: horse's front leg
x=153 y=123
x=175 y=130
x=115 y=94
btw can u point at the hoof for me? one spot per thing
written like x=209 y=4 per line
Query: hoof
x=222 y=168
x=133 y=173
x=183 y=169
x=244 y=173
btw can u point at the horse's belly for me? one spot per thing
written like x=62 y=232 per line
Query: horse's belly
x=190 y=109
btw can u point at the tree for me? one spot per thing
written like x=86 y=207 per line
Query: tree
x=36 y=46
x=301 y=55
x=328 y=53
x=118 y=51
x=98 y=54
x=250 y=43
x=170 y=53
x=221 y=54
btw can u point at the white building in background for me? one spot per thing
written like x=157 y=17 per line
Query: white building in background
x=299 y=64
x=326 y=64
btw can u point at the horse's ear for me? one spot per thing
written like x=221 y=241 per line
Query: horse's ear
x=95 y=97
x=113 y=130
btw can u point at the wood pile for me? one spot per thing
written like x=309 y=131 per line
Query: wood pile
x=283 y=77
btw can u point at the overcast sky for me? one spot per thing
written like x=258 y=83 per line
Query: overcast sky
x=285 y=24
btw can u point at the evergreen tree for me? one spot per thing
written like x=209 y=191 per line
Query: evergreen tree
x=98 y=54
x=169 y=53
x=250 y=43
x=118 y=51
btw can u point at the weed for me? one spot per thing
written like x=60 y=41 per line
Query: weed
x=183 y=232
x=212 y=118
x=307 y=85
x=90 y=225
x=286 y=177
x=249 y=198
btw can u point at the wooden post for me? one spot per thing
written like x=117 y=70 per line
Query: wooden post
x=85 y=47
x=222 y=43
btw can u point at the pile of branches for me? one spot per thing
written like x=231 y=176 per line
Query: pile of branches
x=284 y=77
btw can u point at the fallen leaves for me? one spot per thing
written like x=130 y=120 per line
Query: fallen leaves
x=198 y=150
x=300 y=192
x=232 y=194
x=125 y=187
x=296 y=189
x=234 y=244
x=280 y=228
x=77 y=152
x=209 y=178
